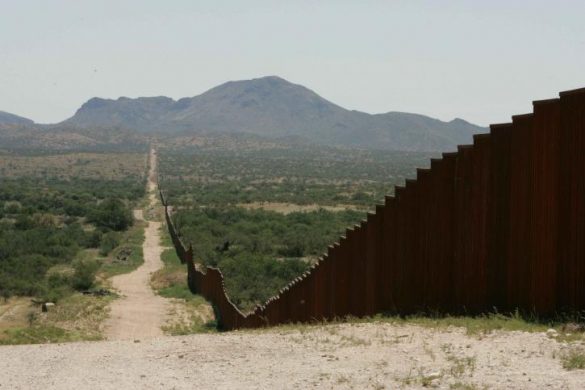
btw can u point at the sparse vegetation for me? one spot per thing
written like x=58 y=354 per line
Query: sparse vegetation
x=191 y=313
x=41 y=163
x=573 y=359
x=299 y=176
x=171 y=280
x=474 y=325
x=464 y=386
x=76 y=318
x=460 y=365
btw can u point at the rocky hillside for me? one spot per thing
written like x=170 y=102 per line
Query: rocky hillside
x=275 y=108
x=11 y=119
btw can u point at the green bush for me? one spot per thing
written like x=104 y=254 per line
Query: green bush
x=112 y=214
x=251 y=279
x=58 y=280
x=109 y=241
x=94 y=239
x=84 y=275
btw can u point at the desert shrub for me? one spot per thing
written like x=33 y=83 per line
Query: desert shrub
x=4 y=293
x=94 y=239
x=253 y=279
x=574 y=359
x=12 y=207
x=57 y=287
x=109 y=241
x=112 y=214
x=58 y=279
x=75 y=208
x=24 y=222
x=84 y=276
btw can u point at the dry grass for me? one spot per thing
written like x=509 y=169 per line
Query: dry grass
x=75 y=318
x=574 y=359
x=190 y=316
x=13 y=313
x=190 y=313
x=79 y=313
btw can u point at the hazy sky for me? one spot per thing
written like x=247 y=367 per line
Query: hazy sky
x=479 y=60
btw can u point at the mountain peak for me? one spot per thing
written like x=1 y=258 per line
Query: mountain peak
x=459 y=121
x=266 y=82
x=271 y=106
x=464 y=124
x=94 y=103
x=273 y=78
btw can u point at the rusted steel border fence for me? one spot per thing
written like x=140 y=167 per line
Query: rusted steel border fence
x=499 y=224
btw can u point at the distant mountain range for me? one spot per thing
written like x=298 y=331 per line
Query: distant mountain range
x=272 y=108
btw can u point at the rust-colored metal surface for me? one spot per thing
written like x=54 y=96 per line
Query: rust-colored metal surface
x=499 y=224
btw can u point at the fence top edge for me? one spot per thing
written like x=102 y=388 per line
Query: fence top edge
x=506 y=125
x=522 y=117
x=578 y=91
x=546 y=101
x=482 y=136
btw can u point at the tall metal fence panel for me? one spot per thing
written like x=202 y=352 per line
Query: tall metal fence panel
x=499 y=224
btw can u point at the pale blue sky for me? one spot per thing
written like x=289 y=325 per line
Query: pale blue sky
x=479 y=60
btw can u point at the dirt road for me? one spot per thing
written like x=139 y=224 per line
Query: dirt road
x=140 y=313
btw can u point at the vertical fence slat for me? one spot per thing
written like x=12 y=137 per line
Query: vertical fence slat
x=370 y=278
x=521 y=249
x=499 y=216
x=544 y=208
x=572 y=198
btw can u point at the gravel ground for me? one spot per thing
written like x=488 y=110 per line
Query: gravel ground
x=357 y=356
